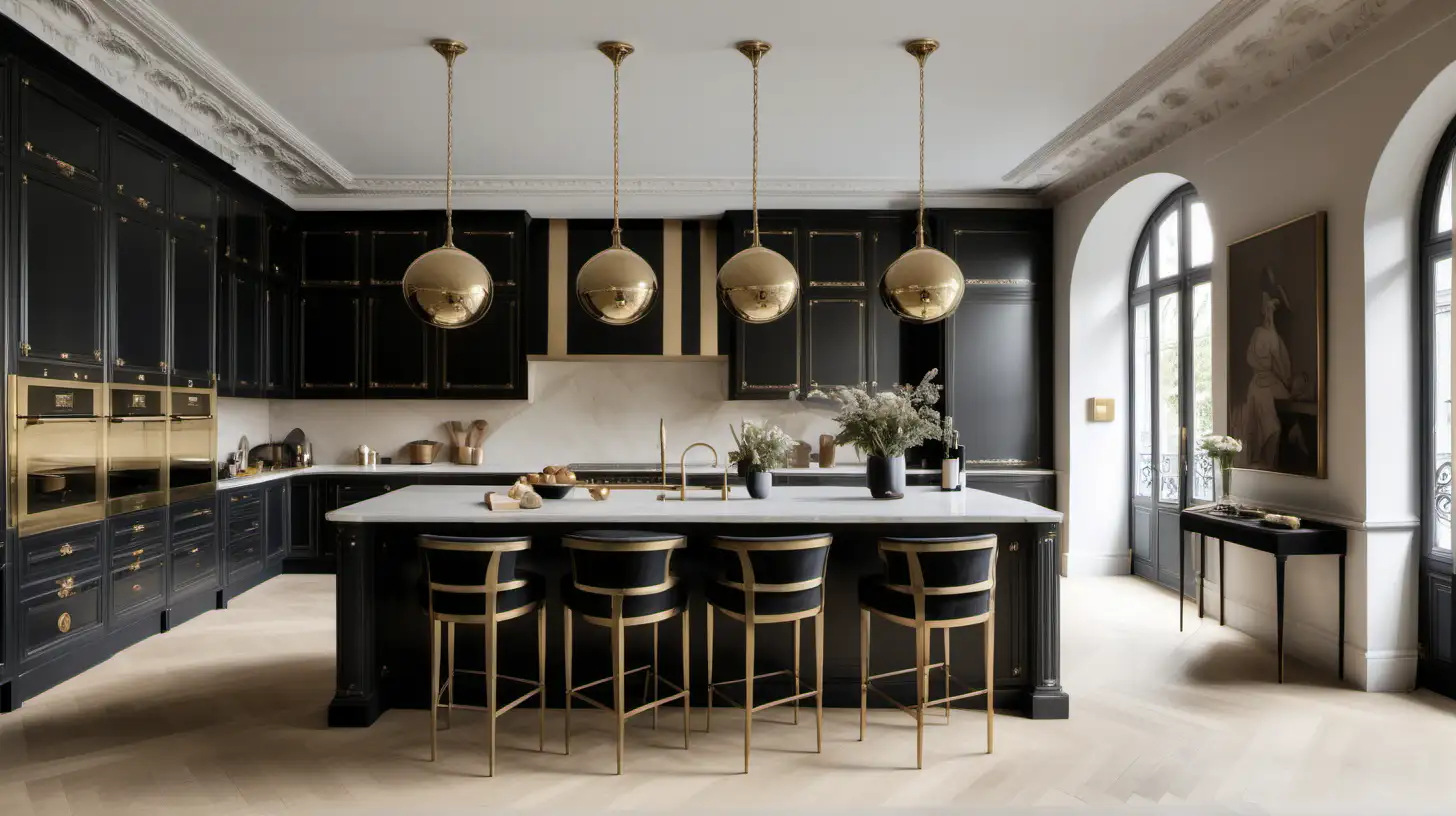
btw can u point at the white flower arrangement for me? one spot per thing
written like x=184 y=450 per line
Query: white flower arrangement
x=1220 y=447
x=890 y=422
x=761 y=446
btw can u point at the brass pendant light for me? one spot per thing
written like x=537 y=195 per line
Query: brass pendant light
x=924 y=285
x=758 y=285
x=616 y=286
x=448 y=287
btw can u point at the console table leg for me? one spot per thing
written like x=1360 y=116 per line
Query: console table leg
x=1340 y=659
x=1182 y=566
x=1202 y=570
x=1221 y=580
x=1279 y=611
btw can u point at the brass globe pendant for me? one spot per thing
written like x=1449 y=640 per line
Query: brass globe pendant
x=758 y=285
x=448 y=287
x=616 y=286
x=924 y=285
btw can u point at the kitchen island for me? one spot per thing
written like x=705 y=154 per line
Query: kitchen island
x=383 y=633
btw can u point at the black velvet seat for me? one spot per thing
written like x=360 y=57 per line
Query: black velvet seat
x=931 y=583
x=620 y=579
x=476 y=581
x=763 y=580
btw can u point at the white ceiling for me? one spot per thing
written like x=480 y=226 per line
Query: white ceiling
x=533 y=97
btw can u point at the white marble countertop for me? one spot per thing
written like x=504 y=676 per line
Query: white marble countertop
x=454 y=504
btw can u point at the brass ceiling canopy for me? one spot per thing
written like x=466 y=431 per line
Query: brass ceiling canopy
x=616 y=286
x=448 y=287
x=924 y=285
x=758 y=285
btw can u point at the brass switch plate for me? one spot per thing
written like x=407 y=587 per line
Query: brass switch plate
x=1101 y=409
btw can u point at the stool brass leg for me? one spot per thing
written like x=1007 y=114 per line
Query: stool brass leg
x=922 y=684
x=990 y=625
x=569 y=687
x=656 y=687
x=490 y=678
x=709 y=714
x=946 y=649
x=619 y=682
x=864 y=669
x=686 y=683
x=541 y=677
x=434 y=688
x=819 y=681
x=450 y=676
x=797 y=630
x=747 y=692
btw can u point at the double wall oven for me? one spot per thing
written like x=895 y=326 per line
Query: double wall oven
x=81 y=450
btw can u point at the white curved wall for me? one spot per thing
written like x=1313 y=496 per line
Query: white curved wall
x=1322 y=142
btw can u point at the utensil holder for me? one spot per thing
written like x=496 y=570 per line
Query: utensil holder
x=466 y=455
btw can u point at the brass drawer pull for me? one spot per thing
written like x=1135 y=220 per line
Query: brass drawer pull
x=134 y=566
x=137 y=528
x=67 y=587
x=63 y=623
x=66 y=549
x=137 y=552
x=193 y=551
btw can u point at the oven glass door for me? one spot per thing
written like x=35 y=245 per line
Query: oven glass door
x=193 y=452
x=58 y=467
x=136 y=463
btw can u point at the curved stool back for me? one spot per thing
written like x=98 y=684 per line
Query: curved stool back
x=931 y=583
x=619 y=579
x=476 y=581
x=763 y=580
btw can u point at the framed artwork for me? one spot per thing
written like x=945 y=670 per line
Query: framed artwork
x=1276 y=352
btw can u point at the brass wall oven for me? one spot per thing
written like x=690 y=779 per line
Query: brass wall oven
x=57 y=452
x=191 y=444
x=136 y=448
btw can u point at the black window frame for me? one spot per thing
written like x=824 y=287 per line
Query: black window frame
x=1431 y=246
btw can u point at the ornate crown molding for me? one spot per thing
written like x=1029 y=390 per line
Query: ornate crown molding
x=1237 y=53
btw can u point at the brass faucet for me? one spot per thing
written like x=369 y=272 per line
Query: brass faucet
x=683 y=466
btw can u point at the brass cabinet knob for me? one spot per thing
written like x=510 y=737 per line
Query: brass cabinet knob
x=63 y=623
x=66 y=549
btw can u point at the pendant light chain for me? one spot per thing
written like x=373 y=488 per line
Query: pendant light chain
x=449 y=149
x=920 y=224
x=755 y=58
x=616 y=148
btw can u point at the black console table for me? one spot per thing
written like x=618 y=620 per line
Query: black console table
x=1313 y=538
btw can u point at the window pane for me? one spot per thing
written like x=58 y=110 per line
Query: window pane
x=1169 y=404
x=1168 y=246
x=1443 y=216
x=1441 y=395
x=1201 y=248
x=1202 y=486
x=1142 y=269
x=1142 y=400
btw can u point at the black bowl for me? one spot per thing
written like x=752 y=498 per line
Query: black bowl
x=553 y=491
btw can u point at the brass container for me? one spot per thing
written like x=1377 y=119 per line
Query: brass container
x=421 y=451
x=466 y=455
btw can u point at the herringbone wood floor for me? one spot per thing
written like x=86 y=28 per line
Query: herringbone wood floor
x=225 y=714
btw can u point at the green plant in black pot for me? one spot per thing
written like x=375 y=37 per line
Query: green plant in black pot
x=761 y=448
x=885 y=425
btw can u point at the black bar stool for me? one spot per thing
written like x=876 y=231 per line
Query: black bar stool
x=770 y=580
x=931 y=583
x=475 y=581
x=619 y=579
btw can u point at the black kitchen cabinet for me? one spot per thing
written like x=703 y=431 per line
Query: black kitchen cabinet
x=304 y=519
x=194 y=202
x=498 y=240
x=194 y=310
x=391 y=251
x=247 y=233
x=766 y=357
x=330 y=333
x=837 y=346
x=486 y=360
x=61 y=272
x=247 y=332
x=328 y=256
x=223 y=327
x=61 y=133
x=277 y=321
x=138 y=297
x=397 y=346
x=279 y=247
x=277 y=520
x=139 y=172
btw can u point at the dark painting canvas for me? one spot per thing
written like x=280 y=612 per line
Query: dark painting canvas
x=1276 y=387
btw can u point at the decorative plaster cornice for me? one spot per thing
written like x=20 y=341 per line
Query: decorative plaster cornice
x=1237 y=53
x=602 y=185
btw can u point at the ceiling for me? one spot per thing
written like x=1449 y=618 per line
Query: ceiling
x=533 y=97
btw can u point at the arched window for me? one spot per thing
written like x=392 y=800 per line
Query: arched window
x=1171 y=325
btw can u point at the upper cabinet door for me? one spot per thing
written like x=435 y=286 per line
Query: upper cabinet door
x=501 y=250
x=278 y=367
x=392 y=251
x=330 y=325
x=329 y=257
x=138 y=176
x=397 y=347
x=61 y=268
x=223 y=327
x=193 y=311
x=836 y=341
x=247 y=319
x=485 y=360
x=766 y=359
x=835 y=258
x=247 y=233
x=280 y=257
x=194 y=201
x=60 y=132
x=139 y=301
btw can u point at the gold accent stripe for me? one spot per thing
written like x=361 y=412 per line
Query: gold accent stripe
x=672 y=301
x=708 y=288
x=556 y=287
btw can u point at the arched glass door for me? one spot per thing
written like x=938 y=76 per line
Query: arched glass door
x=1171 y=314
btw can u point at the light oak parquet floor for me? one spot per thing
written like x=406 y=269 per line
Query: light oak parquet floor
x=225 y=715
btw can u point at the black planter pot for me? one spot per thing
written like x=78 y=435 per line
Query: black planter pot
x=760 y=483
x=886 y=476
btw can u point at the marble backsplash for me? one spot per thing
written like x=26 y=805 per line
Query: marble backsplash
x=238 y=418
x=578 y=411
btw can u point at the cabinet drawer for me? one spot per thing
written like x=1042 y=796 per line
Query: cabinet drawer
x=138 y=584
x=244 y=554
x=244 y=498
x=136 y=531
x=49 y=619
x=68 y=551
x=192 y=517
x=193 y=562
x=244 y=524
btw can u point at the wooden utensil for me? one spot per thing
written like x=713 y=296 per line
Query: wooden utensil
x=457 y=432
x=477 y=434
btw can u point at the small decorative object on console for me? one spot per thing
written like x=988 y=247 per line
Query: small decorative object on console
x=1277 y=520
x=952 y=457
x=1222 y=450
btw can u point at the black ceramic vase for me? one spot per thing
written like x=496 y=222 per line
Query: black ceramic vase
x=886 y=476
x=760 y=483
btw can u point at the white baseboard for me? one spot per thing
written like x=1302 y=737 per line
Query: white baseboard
x=1080 y=564
x=1382 y=670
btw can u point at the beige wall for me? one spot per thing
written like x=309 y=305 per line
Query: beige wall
x=1312 y=145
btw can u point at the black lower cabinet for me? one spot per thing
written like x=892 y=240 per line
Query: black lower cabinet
x=136 y=576
x=7 y=546
x=1037 y=487
x=277 y=520
x=244 y=530
x=59 y=611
